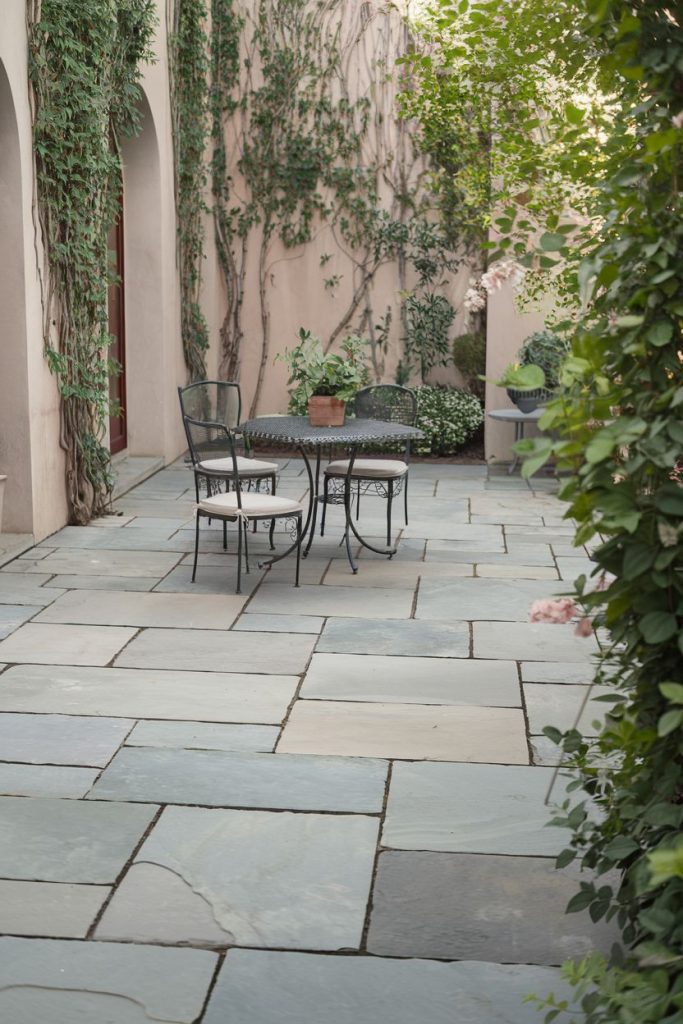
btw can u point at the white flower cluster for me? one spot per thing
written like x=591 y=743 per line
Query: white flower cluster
x=447 y=417
x=492 y=281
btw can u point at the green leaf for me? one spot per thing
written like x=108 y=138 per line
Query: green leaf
x=672 y=692
x=600 y=448
x=668 y=722
x=573 y=113
x=657 y=627
x=621 y=848
x=660 y=333
x=580 y=901
x=552 y=241
x=637 y=560
x=669 y=499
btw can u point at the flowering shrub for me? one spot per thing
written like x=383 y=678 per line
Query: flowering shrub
x=448 y=417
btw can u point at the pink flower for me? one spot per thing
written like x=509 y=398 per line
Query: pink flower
x=556 y=610
x=584 y=627
x=677 y=120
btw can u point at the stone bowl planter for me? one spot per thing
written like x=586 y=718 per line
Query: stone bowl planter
x=527 y=401
x=326 y=411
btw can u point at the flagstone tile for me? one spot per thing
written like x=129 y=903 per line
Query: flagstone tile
x=351 y=677
x=14 y=615
x=217 y=778
x=560 y=706
x=204 y=736
x=404 y=731
x=557 y=672
x=249 y=878
x=531 y=641
x=79 y=538
x=117 y=583
x=503 y=570
x=68 y=840
x=544 y=752
x=211 y=579
x=473 y=808
x=60 y=739
x=47 y=644
x=57 y=909
x=279 y=623
x=388 y=636
x=492 y=908
x=105 y=563
x=356 y=602
x=111 y=522
x=480 y=599
x=571 y=568
x=64 y=982
x=191 y=611
x=25 y=588
x=128 y=693
x=216 y=651
x=45 y=780
x=393 y=573
x=298 y=988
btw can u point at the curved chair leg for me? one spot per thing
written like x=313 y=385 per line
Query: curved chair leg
x=405 y=498
x=238 y=589
x=358 y=502
x=196 y=546
x=246 y=546
x=390 y=498
x=225 y=535
x=272 y=521
x=298 y=549
x=326 y=491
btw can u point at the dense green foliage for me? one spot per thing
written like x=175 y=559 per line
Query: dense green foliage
x=448 y=418
x=547 y=350
x=84 y=68
x=189 y=67
x=429 y=317
x=616 y=431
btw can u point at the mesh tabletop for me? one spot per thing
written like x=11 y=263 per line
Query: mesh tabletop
x=297 y=430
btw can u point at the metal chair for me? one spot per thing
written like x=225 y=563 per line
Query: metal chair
x=242 y=507
x=219 y=401
x=387 y=477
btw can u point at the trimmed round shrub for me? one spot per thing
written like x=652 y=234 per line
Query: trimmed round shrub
x=448 y=417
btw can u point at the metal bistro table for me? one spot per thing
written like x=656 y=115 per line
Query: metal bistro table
x=297 y=432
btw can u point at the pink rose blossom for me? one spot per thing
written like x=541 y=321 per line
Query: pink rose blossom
x=584 y=627
x=557 y=610
x=677 y=120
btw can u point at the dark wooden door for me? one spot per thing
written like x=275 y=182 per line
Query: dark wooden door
x=118 y=434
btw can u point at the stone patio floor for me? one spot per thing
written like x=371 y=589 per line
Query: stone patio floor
x=323 y=804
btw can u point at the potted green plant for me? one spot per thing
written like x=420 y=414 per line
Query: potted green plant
x=324 y=382
x=546 y=350
x=524 y=385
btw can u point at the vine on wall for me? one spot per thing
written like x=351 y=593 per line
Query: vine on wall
x=189 y=68
x=84 y=69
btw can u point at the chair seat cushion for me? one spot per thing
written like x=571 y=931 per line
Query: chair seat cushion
x=368 y=469
x=253 y=504
x=245 y=467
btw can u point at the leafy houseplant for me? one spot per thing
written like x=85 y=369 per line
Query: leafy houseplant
x=525 y=385
x=545 y=351
x=324 y=382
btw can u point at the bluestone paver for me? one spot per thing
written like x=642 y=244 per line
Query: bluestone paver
x=208 y=650
x=45 y=780
x=190 y=611
x=530 y=641
x=47 y=739
x=375 y=602
x=505 y=600
x=56 y=909
x=388 y=636
x=47 y=644
x=14 y=615
x=204 y=736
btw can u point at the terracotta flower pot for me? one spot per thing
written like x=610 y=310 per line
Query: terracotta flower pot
x=326 y=411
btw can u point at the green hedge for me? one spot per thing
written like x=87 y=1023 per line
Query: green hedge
x=448 y=418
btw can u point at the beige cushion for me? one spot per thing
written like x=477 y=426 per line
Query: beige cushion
x=369 y=469
x=245 y=467
x=253 y=504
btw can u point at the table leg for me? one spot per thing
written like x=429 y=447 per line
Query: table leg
x=519 y=436
x=310 y=514
x=350 y=527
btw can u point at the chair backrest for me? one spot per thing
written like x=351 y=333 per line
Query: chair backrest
x=212 y=401
x=209 y=440
x=388 y=402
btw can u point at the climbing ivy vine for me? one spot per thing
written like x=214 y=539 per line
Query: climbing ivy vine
x=189 y=69
x=84 y=69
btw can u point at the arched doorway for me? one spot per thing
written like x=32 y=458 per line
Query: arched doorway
x=15 y=443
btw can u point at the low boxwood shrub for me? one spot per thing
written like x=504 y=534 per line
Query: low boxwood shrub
x=448 y=417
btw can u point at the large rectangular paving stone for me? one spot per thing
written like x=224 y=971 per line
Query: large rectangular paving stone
x=579 y=673
x=406 y=731
x=192 y=611
x=503 y=600
x=452 y=906
x=565 y=706
x=105 y=563
x=130 y=693
x=210 y=580
x=251 y=878
x=57 y=909
x=59 y=739
x=393 y=573
x=217 y=778
x=68 y=840
x=365 y=677
x=531 y=641
x=264 y=987
x=279 y=623
x=45 y=780
x=118 y=583
x=357 y=602
x=473 y=808
x=23 y=588
x=48 y=981
x=204 y=736
x=205 y=650
x=14 y=615
x=47 y=644
x=387 y=636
